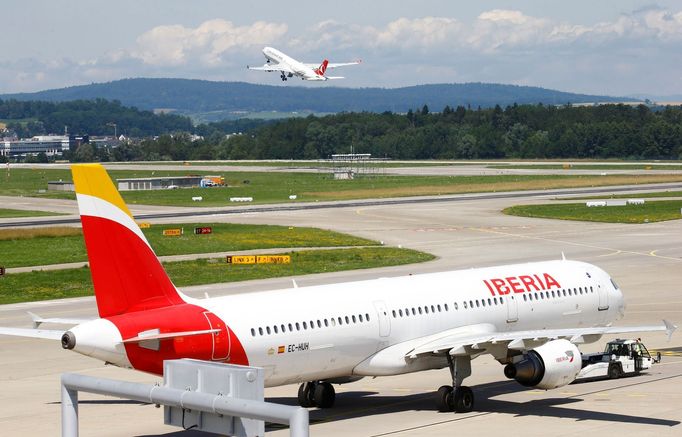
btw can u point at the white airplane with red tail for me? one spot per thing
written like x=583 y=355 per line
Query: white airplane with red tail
x=289 y=67
x=529 y=317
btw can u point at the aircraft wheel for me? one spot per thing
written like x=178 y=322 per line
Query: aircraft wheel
x=463 y=399
x=305 y=395
x=444 y=399
x=324 y=395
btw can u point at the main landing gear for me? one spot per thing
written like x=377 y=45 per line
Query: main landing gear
x=457 y=397
x=316 y=394
x=283 y=77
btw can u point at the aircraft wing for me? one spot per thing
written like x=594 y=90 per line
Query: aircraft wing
x=272 y=67
x=334 y=65
x=480 y=339
x=33 y=333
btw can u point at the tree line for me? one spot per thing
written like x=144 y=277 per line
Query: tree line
x=516 y=131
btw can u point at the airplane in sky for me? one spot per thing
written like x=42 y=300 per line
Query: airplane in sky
x=289 y=67
x=529 y=317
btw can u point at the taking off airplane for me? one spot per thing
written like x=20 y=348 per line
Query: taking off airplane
x=289 y=67
x=529 y=317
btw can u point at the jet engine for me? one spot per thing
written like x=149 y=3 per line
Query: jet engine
x=554 y=364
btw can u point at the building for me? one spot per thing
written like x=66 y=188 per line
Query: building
x=159 y=183
x=51 y=145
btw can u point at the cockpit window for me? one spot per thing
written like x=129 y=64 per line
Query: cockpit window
x=614 y=284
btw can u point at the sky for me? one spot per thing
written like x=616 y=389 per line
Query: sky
x=605 y=47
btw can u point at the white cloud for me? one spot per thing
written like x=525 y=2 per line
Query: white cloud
x=209 y=43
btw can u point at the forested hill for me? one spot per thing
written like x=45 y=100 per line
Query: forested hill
x=200 y=96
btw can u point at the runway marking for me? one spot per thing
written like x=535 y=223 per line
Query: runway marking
x=573 y=243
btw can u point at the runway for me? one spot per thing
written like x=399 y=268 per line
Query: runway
x=644 y=259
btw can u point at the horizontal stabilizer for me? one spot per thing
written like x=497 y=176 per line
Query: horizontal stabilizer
x=168 y=335
x=37 y=320
x=33 y=333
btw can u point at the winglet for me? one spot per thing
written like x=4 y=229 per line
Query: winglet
x=669 y=328
x=36 y=319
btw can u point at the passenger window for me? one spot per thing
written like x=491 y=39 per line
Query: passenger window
x=354 y=319
x=298 y=327
x=433 y=308
x=326 y=323
x=446 y=307
x=490 y=302
x=340 y=321
x=333 y=322
x=400 y=312
x=393 y=314
x=260 y=331
x=438 y=307
x=456 y=306
x=253 y=332
x=426 y=309
x=414 y=312
x=291 y=328
x=464 y=304
x=367 y=317
x=319 y=324
x=267 y=329
x=305 y=325
x=471 y=304
x=420 y=309
x=553 y=294
x=275 y=329
x=483 y=302
x=525 y=298
x=477 y=303
x=347 y=320
x=495 y=300
x=360 y=316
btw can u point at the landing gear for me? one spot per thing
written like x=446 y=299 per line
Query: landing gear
x=316 y=394
x=457 y=398
x=283 y=77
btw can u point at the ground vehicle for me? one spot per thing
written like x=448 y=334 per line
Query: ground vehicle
x=620 y=358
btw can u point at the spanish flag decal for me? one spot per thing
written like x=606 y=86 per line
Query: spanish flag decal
x=280 y=349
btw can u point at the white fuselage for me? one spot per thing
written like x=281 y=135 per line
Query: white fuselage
x=298 y=68
x=334 y=331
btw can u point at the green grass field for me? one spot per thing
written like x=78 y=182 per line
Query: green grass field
x=629 y=196
x=655 y=211
x=42 y=246
x=57 y=284
x=276 y=187
x=596 y=166
x=10 y=213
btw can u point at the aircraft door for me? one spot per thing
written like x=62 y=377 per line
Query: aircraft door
x=221 y=339
x=384 y=319
x=603 y=293
x=512 y=308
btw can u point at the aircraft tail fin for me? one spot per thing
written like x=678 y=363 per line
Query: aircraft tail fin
x=322 y=68
x=126 y=273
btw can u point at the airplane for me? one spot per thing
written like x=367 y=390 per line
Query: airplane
x=289 y=67
x=530 y=317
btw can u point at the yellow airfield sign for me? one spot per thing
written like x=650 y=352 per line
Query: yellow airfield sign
x=258 y=259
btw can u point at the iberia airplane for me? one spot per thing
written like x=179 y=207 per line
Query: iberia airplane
x=529 y=317
x=289 y=67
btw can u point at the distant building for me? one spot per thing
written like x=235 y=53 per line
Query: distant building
x=60 y=186
x=158 y=183
x=51 y=145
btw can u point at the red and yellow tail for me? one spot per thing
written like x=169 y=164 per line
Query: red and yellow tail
x=126 y=273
